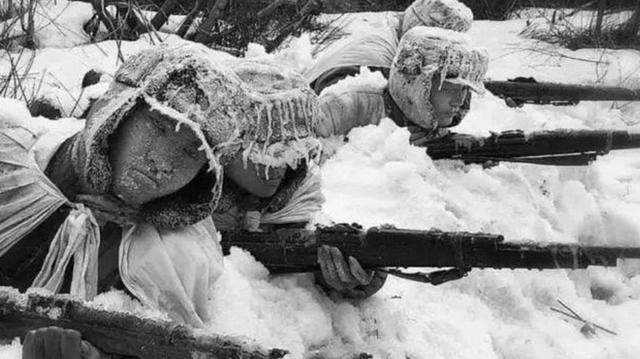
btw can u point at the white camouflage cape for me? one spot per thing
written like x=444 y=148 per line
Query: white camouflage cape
x=374 y=49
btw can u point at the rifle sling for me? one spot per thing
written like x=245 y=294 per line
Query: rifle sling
x=579 y=159
x=435 y=278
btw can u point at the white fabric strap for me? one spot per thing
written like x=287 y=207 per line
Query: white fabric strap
x=77 y=237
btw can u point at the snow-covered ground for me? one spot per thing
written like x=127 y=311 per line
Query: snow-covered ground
x=378 y=178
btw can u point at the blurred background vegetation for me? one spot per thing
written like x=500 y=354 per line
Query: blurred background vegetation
x=231 y=25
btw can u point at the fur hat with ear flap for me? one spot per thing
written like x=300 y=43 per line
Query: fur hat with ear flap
x=446 y=14
x=280 y=118
x=189 y=84
x=278 y=130
x=427 y=51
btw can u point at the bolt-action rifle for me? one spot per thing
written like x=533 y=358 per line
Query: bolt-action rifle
x=528 y=91
x=289 y=250
x=119 y=333
x=556 y=147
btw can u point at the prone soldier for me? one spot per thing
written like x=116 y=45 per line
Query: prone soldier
x=430 y=78
x=377 y=49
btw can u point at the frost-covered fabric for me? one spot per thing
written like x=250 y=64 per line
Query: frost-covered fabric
x=427 y=51
x=183 y=83
x=232 y=104
x=432 y=50
x=172 y=270
x=446 y=14
x=278 y=129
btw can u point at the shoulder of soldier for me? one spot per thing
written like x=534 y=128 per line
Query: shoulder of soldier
x=365 y=84
x=348 y=108
x=350 y=96
x=372 y=48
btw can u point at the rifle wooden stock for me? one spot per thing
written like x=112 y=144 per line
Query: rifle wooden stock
x=557 y=147
x=116 y=332
x=559 y=94
x=295 y=250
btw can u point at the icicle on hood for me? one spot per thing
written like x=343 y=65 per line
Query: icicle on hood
x=278 y=130
x=188 y=83
x=280 y=118
x=446 y=14
x=424 y=52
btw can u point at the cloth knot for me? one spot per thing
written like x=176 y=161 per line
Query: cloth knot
x=77 y=237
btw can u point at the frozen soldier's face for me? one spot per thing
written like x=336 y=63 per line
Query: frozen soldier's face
x=255 y=178
x=446 y=100
x=150 y=159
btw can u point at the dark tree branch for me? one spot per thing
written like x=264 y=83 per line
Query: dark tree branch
x=307 y=10
x=161 y=17
x=186 y=24
x=205 y=29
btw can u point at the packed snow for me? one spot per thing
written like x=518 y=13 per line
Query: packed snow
x=378 y=178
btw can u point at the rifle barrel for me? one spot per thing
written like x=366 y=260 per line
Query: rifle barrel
x=295 y=250
x=516 y=144
x=624 y=140
x=547 y=91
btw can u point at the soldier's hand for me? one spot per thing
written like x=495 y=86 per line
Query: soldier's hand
x=58 y=343
x=348 y=279
x=419 y=136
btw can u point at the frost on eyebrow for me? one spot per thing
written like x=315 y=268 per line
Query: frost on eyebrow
x=213 y=163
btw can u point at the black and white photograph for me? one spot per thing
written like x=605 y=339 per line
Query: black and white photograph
x=319 y=179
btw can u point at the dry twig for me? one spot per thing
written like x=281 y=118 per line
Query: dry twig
x=576 y=316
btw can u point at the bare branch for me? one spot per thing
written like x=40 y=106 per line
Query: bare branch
x=205 y=29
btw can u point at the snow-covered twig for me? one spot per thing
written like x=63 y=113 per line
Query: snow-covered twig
x=576 y=316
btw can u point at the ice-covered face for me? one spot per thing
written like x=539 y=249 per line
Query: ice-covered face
x=446 y=100
x=255 y=178
x=150 y=159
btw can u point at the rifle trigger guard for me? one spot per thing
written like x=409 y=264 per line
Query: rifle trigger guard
x=434 y=278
